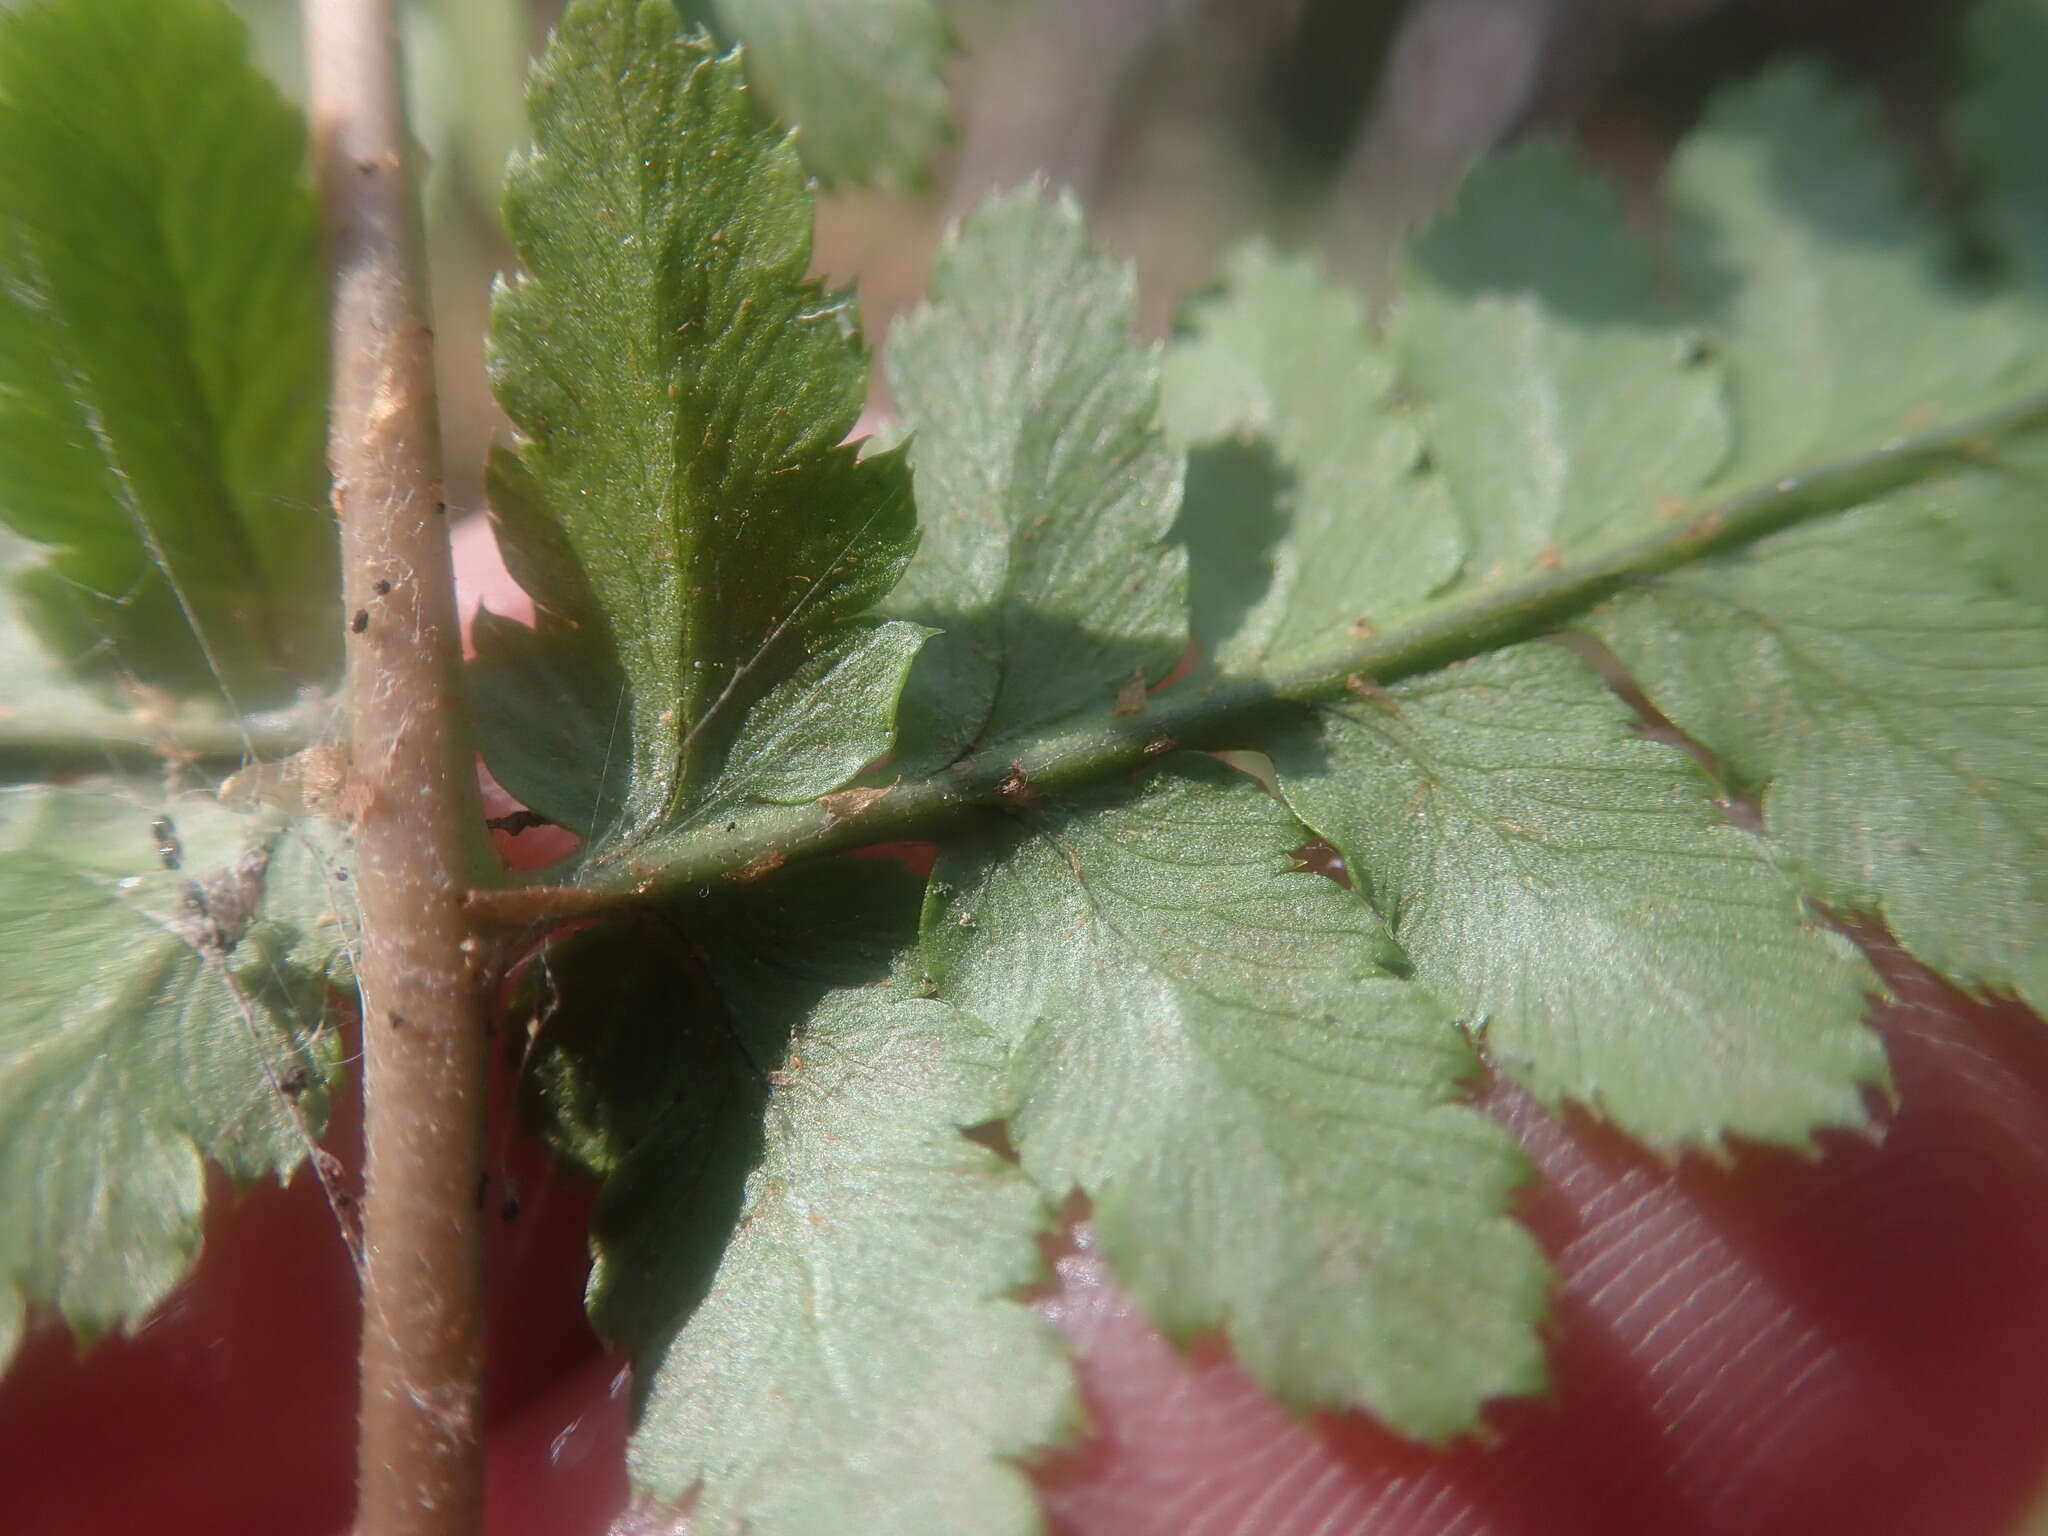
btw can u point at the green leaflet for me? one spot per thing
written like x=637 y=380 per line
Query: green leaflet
x=860 y=79
x=1837 y=305
x=1994 y=518
x=1560 y=400
x=124 y=1056
x=42 y=700
x=1044 y=489
x=1892 y=712
x=1284 y=352
x=781 y=755
x=2004 y=120
x=893 y=1383
x=1212 y=1045
x=162 y=352
x=48 y=719
x=851 y=1362
x=681 y=505
x=1574 y=890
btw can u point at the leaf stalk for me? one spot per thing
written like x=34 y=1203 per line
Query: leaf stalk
x=1449 y=630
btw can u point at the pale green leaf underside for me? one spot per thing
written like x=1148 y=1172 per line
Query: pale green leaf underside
x=1892 y=712
x=125 y=1057
x=1252 y=1077
x=1208 y=1042
x=1998 y=519
x=858 y=1366
x=162 y=353
x=1285 y=353
x=853 y=1359
x=681 y=504
x=1575 y=893
x=860 y=79
x=41 y=700
x=1043 y=486
x=1562 y=402
x=1837 y=303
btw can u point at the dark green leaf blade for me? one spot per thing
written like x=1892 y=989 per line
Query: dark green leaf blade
x=1560 y=399
x=1045 y=490
x=861 y=79
x=1574 y=891
x=1837 y=305
x=1285 y=352
x=2004 y=119
x=126 y=1056
x=1209 y=1043
x=1891 y=710
x=682 y=505
x=162 y=351
x=851 y=1360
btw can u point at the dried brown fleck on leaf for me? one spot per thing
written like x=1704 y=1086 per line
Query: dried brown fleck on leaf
x=843 y=803
x=761 y=864
x=1130 y=698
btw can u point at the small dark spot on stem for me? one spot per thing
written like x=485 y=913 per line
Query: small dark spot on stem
x=366 y=167
x=483 y=1185
x=441 y=508
x=382 y=588
x=1014 y=789
x=398 y=1021
x=508 y=1208
x=360 y=622
x=169 y=851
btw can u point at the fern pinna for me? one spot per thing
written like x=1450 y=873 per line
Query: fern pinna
x=1624 y=618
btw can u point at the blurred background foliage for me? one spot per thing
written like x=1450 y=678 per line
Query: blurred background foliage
x=1185 y=125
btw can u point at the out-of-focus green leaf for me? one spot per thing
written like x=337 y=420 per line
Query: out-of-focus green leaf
x=1212 y=1044
x=152 y=1018
x=1285 y=353
x=681 y=505
x=2004 y=120
x=861 y=80
x=162 y=352
x=1561 y=402
x=1839 y=307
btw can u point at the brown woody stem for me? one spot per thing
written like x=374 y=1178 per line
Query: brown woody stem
x=411 y=795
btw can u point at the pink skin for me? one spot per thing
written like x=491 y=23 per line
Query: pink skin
x=1848 y=1343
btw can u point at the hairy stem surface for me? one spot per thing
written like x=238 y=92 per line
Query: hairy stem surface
x=411 y=795
x=1464 y=625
